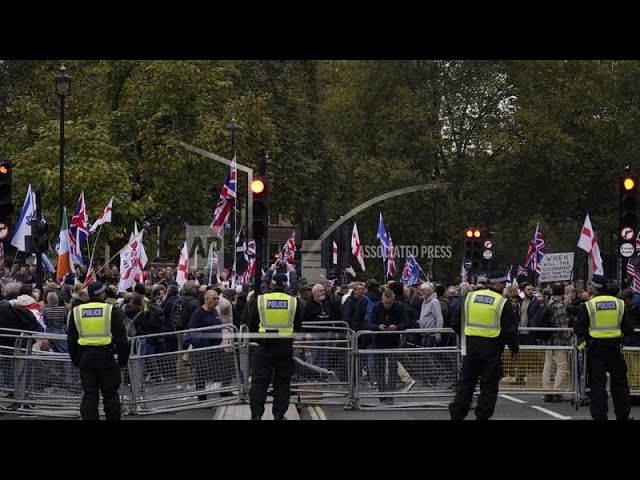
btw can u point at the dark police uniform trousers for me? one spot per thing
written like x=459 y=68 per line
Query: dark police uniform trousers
x=604 y=355
x=484 y=361
x=99 y=372
x=273 y=358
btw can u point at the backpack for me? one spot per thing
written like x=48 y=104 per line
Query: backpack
x=176 y=315
x=543 y=319
x=155 y=318
x=369 y=313
x=149 y=321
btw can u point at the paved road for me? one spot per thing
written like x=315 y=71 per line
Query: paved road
x=508 y=407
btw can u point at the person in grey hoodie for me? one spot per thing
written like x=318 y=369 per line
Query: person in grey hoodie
x=430 y=314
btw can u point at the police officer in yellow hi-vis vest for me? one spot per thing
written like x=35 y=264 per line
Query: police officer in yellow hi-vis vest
x=489 y=323
x=602 y=321
x=96 y=332
x=276 y=315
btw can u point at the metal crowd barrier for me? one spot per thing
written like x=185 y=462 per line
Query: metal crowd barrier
x=526 y=374
x=333 y=365
x=404 y=365
x=322 y=362
x=165 y=381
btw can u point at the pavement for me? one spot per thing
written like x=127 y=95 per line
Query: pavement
x=508 y=407
x=243 y=412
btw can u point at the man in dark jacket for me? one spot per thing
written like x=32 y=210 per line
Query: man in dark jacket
x=189 y=302
x=603 y=320
x=388 y=316
x=274 y=316
x=96 y=332
x=485 y=339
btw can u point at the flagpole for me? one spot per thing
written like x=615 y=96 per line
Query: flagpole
x=114 y=256
x=94 y=245
x=384 y=270
x=88 y=249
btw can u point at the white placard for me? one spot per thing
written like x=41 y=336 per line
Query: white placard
x=556 y=267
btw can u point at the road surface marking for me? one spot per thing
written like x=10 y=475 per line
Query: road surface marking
x=513 y=399
x=312 y=412
x=321 y=415
x=549 y=412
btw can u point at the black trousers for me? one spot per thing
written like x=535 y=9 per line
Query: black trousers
x=95 y=380
x=602 y=358
x=275 y=361
x=99 y=373
x=484 y=361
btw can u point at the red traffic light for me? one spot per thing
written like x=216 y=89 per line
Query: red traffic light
x=476 y=233
x=468 y=233
x=5 y=168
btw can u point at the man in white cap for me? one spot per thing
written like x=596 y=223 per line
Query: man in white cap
x=489 y=324
x=96 y=332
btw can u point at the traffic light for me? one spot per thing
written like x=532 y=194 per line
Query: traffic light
x=6 y=204
x=628 y=207
x=39 y=243
x=473 y=247
x=260 y=225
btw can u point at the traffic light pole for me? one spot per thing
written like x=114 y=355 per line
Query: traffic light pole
x=258 y=260
x=38 y=251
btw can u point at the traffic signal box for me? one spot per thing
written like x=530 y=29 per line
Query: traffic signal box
x=628 y=208
x=260 y=189
x=476 y=241
x=473 y=247
x=6 y=204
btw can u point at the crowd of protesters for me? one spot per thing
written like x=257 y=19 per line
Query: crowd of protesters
x=361 y=305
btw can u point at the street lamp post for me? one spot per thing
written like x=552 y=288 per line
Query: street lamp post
x=233 y=128
x=63 y=90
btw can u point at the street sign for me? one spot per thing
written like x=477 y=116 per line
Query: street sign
x=487 y=254
x=627 y=250
x=627 y=233
x=488 y=244
x=4 y=231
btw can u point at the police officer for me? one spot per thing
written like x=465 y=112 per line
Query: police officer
x=603 y=320
x=96 y=332
x=277 y=315
x=488 y=325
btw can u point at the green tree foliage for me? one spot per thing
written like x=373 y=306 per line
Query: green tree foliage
x=509 y=143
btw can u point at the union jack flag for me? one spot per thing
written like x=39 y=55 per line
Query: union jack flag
x=289 y=250
x=522 y=271
x=78 y=229
x=411 y=271
x=638 y=243
x=537 y=251
x=226 y=202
